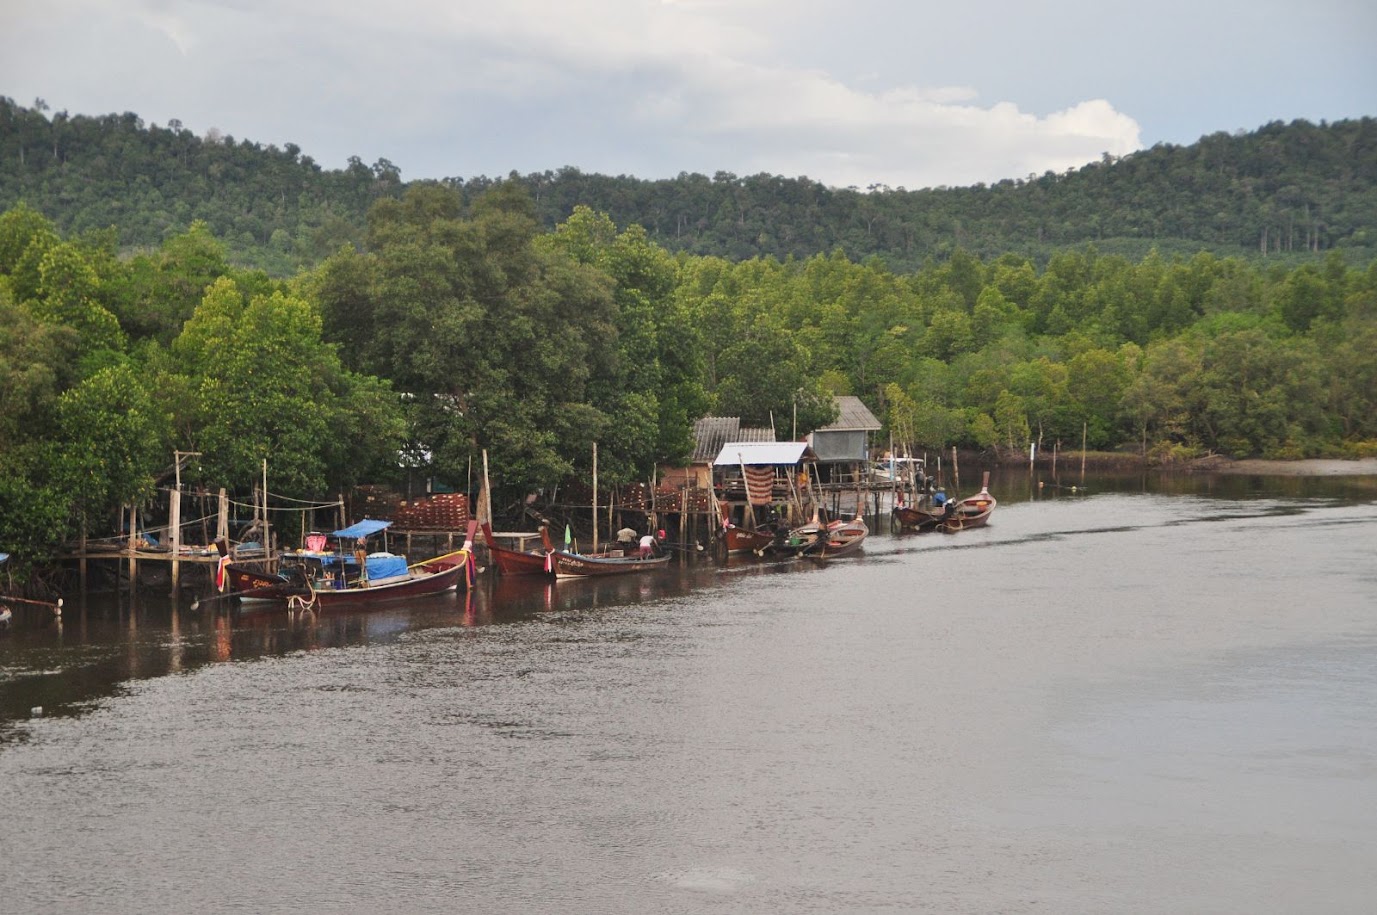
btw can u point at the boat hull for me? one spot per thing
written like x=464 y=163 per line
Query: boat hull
x=578 y=565
x=909 y=518
x=744 y=541
x=844 y=540
x=251 y=585
x=418 y=583
x=516 y=562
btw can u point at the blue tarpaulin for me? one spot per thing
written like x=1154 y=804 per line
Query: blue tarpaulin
x=385 y=565
x=363 y=529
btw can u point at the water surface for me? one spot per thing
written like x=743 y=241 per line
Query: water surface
x=1140 y=698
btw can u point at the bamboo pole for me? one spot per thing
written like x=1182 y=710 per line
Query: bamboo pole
x=595 y=497
x=956 y=472
x=1085 y=426
x=749 y=510
x=484 y=507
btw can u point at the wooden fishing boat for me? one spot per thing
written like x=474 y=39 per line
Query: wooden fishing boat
x=569 y=564
x=839 y=539
x=250 y=584
x=952 y=516
x=434 y=576
x=972 y=511
x=794 y=541
x=518 y=562
x=745 y=540
x=918 y=516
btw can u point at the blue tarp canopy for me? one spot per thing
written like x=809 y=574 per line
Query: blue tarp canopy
x=363 y=529
x=3 y=557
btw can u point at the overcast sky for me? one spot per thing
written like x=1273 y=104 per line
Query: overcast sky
x=905 y=93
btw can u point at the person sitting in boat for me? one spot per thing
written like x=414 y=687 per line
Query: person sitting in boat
x=647 y=546
x=939 y=498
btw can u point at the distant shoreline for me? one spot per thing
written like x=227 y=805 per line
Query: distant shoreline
x=1314 y=467
x=1218 y=463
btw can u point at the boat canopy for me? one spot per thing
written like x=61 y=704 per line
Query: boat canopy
x=3 y=557
x=363 y=529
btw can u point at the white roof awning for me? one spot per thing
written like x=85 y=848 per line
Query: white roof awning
x=734 y=454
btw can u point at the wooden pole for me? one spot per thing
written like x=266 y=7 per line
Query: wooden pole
x=595 y=497
x=484 y=509
x=749 y=510
x=133 y=536
x=1084 y=428
x=267 y=533
x=174 y=513
x=956 y=472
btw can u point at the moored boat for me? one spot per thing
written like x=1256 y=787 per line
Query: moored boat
x=434 y=576
x=745 y=540
x=952 y=516
x=569 y=564
x=972 y=511
x=518 y=562
x=839 y=539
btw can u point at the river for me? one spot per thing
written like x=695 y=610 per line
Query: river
x=1150 y=695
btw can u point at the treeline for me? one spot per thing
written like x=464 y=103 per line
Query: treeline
x=456 y=328
x=1286 y=192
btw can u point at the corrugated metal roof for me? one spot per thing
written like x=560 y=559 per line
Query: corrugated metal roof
x=852 y=415
x=752 y=453
x=712 y=432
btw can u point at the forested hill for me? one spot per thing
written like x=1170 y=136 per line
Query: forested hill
x=1284 y=191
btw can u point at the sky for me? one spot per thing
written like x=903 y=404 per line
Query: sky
x=897 y=93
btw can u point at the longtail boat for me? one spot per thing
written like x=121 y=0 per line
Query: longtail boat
x=434 y=576
x=952 y=516
x=972 y=511
x=797 y=540
x=745 y=540
x=839 y=539
x=918 y=516
x=569 y=564
x=518 y=562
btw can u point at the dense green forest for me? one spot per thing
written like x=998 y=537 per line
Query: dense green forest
x=455 y=322
x=1284 y=193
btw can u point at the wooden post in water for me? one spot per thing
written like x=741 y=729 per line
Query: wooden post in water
x=267 y=533
x=81 y=563
x=595 y=497
x=133 y=537
x=222 y=518
x=1084 y=427
x=956 y=473
x=174 y=522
